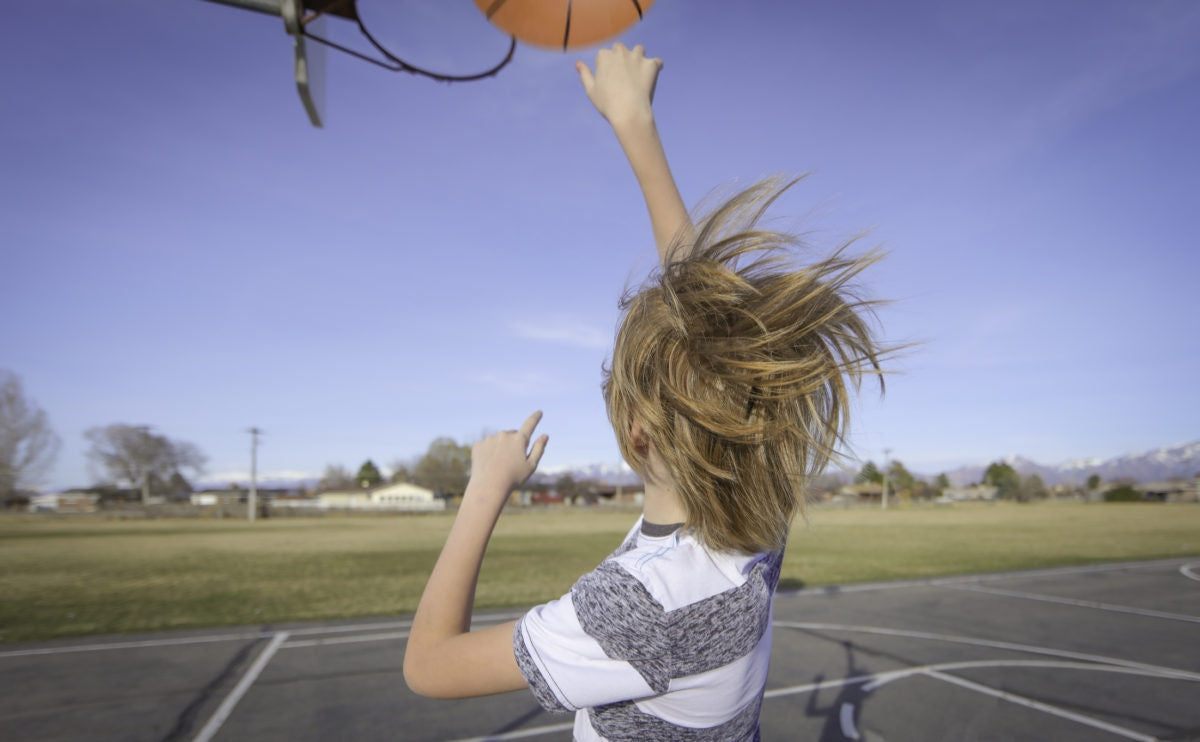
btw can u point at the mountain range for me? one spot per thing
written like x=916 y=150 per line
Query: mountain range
x=1173 y=462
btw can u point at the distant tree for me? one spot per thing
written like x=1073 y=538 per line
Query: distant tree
x=28 y=445
x=1004 y=478
x=1032 y=488
x=828 y=483
x=869 y=473
x=590 y=490
x=943 y=482
x=335 y=478
x=568 y=488
x=368 y=475
x=900 y=479
x=134 y=454
x=923 y=490
x=444 y=468
x=177 y=487
x=1093 y=482
x=401 y=471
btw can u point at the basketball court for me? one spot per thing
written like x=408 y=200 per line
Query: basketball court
x=1083 y=653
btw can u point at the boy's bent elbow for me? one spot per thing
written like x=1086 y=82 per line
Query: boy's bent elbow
x=469 y=665
x=417 y=675
x=425 y=674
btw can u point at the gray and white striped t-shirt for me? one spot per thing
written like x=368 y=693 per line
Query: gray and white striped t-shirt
x=665 y=640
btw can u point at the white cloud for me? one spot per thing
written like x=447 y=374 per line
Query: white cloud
x=562 y=331
x=520 y=383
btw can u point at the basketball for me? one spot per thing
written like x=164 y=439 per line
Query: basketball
x=563 y=24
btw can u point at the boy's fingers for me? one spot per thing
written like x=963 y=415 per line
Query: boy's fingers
x=535 y=453
x=530 y=423
x=585 y=76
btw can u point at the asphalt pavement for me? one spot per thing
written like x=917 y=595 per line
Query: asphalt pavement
x=1086 y=653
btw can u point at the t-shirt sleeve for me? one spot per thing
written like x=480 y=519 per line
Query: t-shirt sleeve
x=604 y=642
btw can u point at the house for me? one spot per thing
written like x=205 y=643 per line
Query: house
x=1176 y=490
x=850 y=494
x=975 y=492
x=209 y=498
x=620 y=495
x=542 y=495
x=401 y=496
x=64 y=502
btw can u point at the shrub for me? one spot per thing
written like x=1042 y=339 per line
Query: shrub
x=1123 y=493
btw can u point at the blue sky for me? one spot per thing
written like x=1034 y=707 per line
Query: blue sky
x=181 y=249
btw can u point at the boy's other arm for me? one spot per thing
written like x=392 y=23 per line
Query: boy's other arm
x=444 y=658
x=622 y=89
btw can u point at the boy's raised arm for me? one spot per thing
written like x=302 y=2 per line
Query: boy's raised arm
x=622 y=89
x=444 y=658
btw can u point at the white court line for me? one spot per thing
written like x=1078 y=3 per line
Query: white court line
x=386 y=636
x=483 y=620
x=1044 y=707
x=792 y=690
x=135 y=644
x=521 y=733
x=939 y=581
x=1009 y=646
x=345 y=640
x=871 y=683
x=1073 y=601
x=1189 y=571
x=350 y=628
x=239 y=690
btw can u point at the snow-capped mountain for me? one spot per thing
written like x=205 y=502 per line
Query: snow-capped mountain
x=606 y=473
x=1173 y=462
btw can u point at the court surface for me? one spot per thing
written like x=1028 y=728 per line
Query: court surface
x=1102 y=652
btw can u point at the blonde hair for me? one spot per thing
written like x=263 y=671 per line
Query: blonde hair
x=738 y=367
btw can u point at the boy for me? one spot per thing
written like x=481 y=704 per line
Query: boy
x=727 y=391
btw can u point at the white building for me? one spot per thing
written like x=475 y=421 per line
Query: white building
x=64 y=502
x=975 y=492
x=400 y=496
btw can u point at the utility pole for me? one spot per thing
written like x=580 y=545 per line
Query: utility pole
x=253 y=504
x=886 y=452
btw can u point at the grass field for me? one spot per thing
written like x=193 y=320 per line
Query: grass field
x=87 y=575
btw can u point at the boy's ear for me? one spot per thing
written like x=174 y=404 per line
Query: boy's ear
x=637 y=435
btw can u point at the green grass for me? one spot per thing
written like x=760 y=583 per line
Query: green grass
x=79 y=576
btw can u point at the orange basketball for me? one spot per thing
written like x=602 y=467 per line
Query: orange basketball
x=563 y=24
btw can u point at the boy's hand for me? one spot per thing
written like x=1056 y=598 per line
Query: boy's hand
x=501 y=462
x=622 y=88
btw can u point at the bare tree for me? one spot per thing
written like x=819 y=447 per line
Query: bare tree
x=402 y=470
x=568 y=488
x=336 y=477
x=28 y=445
x=134 y=454
x=445 y=467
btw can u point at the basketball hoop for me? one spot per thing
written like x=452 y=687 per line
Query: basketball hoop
x=304 y=20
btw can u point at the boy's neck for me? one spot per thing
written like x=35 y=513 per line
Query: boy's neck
x=661 y=505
